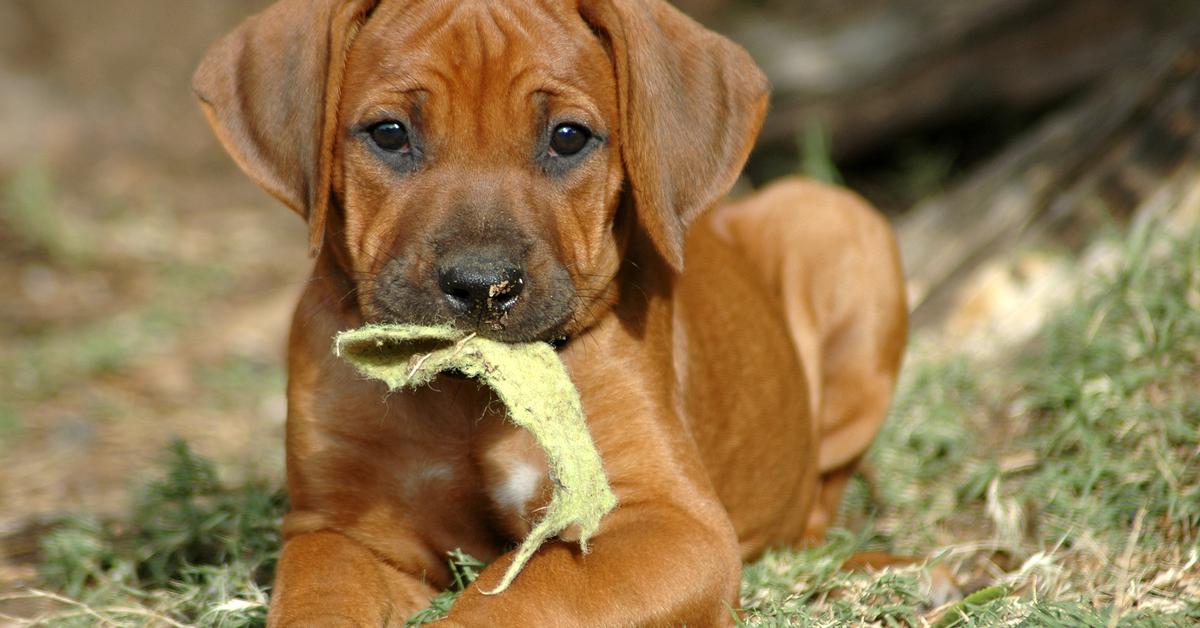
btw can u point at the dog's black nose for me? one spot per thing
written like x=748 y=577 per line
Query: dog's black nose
x=481 y=286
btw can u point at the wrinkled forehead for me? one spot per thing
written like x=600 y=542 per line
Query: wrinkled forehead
x=476 y=48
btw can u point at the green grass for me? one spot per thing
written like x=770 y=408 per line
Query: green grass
x=31 y=214
x=1072 y=480
x=193 y=550
x=816 y=156
x=921 y=171
x=238 y=381
x=464 y=568
x=1061 y=488
x=152 y=281
x=9 y=422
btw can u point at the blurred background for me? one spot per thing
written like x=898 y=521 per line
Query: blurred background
x=147 y=284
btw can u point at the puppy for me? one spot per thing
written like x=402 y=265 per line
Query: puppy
x=552 y=170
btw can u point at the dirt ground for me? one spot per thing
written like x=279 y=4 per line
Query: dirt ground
x=147 y=283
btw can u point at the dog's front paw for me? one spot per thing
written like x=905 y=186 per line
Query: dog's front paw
x=320 y=621
x=444 y=623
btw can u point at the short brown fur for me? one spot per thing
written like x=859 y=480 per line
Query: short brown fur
x=730 y=398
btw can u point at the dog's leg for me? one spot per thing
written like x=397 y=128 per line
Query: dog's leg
x=327 y=579
x=667 y=555
x=347 y=560
x=666 y=564
x=829 y=498
x=833 y=261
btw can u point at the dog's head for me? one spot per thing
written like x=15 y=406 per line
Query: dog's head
x=484 y=162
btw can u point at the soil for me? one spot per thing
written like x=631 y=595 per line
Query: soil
x=148 y=284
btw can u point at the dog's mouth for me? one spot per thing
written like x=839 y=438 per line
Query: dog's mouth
x=542 y=309
x=554 y=334
x=523 y=323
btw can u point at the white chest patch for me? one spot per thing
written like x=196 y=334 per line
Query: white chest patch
x=520 y=486
x=429 y=476
x=437 y=471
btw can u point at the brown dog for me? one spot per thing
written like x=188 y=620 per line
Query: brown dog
x=541 y=170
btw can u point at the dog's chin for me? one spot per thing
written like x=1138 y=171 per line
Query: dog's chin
x=552 y=335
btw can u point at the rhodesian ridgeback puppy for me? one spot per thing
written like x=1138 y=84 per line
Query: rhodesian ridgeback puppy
x=552 y=170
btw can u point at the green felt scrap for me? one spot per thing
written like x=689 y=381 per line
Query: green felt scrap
x=532 y=382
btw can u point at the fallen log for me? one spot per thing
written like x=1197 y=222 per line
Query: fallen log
x=1129 y=139
x=870 y=69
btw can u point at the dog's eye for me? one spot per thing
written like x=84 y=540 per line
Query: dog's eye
x=390 y=136
x=568 y=139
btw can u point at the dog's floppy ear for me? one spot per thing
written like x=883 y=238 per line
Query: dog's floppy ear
x=270 y=90
x=691 y=105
